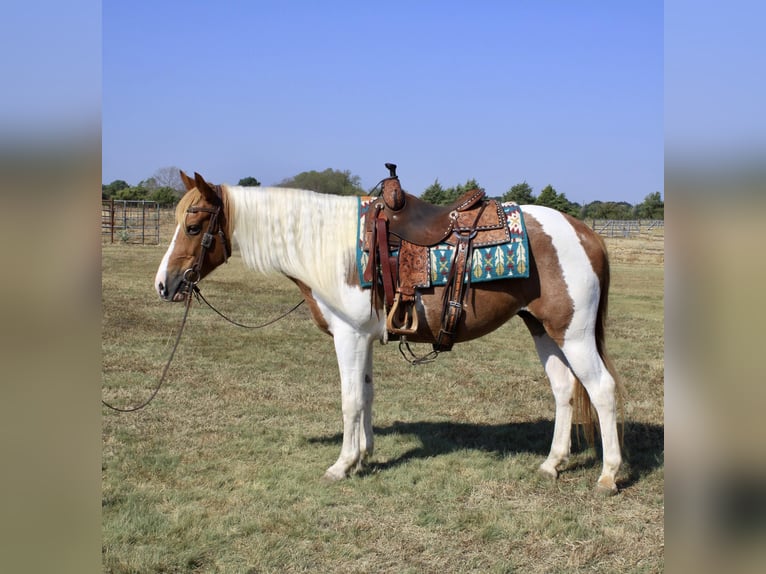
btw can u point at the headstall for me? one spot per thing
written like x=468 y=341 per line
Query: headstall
x=193 y=274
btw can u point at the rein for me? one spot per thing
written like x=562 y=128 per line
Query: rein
x=164 y=371
x=191 y=277
x=192 y=288
x=410 y=356
x=199 y=295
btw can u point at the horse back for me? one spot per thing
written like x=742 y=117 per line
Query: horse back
x=568 y=268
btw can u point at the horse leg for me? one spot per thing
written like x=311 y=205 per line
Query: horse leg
x=367 y=441
x=590 y=369
x=562 y=382
x=354 y=352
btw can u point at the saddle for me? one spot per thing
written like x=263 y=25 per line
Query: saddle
x=399 y=230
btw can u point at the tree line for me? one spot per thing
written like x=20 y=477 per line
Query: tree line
x=165 y=187
x=653 y=206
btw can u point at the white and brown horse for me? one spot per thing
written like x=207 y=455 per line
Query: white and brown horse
x=311 y=238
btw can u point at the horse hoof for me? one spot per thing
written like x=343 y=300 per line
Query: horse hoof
x=606 y=489
x=330 y=476
x=547 y=472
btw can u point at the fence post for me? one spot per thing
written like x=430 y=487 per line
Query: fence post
x=111 y=218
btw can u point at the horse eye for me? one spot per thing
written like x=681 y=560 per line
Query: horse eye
x=193 y=229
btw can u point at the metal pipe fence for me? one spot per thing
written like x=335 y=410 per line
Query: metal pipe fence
x=628 y=228
x=127 y=221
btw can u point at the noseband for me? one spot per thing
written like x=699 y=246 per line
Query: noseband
x=194 y=273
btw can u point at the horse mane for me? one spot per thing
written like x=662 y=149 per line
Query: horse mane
x=302 y=234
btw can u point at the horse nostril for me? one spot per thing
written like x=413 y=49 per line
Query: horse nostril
x=161 y=286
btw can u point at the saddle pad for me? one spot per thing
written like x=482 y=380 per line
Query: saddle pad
x=505 y=261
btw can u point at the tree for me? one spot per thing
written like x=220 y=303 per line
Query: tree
x=548 y=197
x=551 y=198
x=327 y=181
x=165 y=196
x=249 y=182
x=521 y=193
x=111 y=190
x=168 y=177
x=149 y=184
x=136 y=193
x=653 y=207
x=606 y=210
x=434 y=193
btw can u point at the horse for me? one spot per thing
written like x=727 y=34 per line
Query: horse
x=311 y=238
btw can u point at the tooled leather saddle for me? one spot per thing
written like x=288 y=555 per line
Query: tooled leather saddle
x=399 y=230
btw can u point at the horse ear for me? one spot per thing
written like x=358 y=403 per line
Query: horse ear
x=204 y=188
x=187 y=181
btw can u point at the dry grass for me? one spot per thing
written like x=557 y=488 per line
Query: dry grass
x=222 y=472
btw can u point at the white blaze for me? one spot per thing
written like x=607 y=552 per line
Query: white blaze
x=162 y=271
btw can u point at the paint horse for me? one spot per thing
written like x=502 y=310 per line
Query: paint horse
x=312 y=238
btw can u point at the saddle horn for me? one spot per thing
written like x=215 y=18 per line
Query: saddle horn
x=391 y=169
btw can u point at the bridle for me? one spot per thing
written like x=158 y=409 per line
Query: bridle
x=193 y=274
x=191 y=277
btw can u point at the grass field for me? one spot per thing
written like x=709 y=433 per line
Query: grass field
x=222 y=472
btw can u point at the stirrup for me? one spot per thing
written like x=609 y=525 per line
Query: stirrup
x=408 y=325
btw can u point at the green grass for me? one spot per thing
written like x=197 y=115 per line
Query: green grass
x=222 y=472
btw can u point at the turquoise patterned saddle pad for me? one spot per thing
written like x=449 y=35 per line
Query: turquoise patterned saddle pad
x=505 y=261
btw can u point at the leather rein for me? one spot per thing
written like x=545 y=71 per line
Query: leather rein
x=191 y=278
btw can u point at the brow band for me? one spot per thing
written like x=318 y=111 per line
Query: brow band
x=195 y=209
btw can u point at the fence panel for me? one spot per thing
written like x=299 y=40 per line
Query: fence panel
x=127 y=221
x=628 y=228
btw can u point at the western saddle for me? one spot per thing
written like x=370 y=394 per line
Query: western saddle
x=399 y=230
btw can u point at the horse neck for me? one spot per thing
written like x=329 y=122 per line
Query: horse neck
x=300 y=234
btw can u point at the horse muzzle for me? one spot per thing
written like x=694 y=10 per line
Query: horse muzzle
x=174 y=290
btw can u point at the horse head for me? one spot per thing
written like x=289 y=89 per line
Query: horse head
x=202 y=240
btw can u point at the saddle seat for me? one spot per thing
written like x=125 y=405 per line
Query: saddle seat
x=420 y=222
x=399 y=230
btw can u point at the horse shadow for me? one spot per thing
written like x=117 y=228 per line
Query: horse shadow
x=643 y=443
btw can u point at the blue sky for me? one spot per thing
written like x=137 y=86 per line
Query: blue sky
x=561 y=93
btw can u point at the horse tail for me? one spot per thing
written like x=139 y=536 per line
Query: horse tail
x=584 y=413
x=584 y=416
